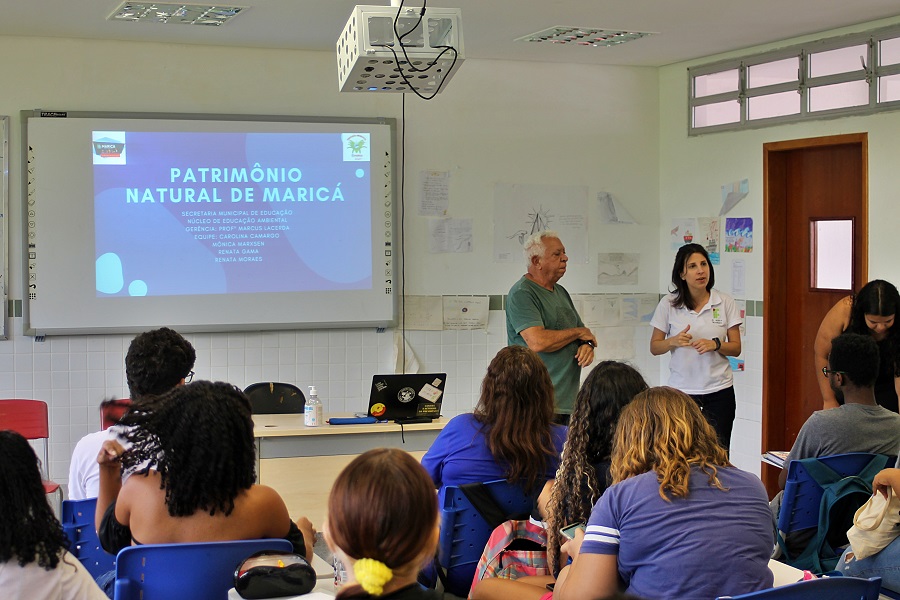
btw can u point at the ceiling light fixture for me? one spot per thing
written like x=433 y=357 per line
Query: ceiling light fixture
x=429 y=52
x=182 y=14
x=583 y=36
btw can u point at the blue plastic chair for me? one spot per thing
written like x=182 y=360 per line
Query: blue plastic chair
x=823 y=588
x=802 y=506
x=78 y=525
x=200 y=571
x=464 y=531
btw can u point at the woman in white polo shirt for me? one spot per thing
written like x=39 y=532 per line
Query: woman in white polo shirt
x=699 y=326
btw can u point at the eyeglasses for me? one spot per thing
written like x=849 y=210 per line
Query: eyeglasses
x=188 y=377
x=826 y=371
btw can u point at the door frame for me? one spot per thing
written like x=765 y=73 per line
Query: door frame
x=776 y=332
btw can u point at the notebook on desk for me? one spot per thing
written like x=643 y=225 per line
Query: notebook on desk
x=408 y=396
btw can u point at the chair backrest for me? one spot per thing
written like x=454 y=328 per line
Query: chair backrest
x=271 y=397
x=27 y=417
x=200 y=571
x=824 y=588
x=821 y=494
x=78 y=525
x=465 y=531
x=111 y=411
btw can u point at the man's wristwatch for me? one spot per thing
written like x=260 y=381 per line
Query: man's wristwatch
x=588 y=342
x=718 y=343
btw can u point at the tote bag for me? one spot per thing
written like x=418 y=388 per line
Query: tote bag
x=875 y=525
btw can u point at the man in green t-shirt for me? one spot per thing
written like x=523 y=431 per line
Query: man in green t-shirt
x=540 y=315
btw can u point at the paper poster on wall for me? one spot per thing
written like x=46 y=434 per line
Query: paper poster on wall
x=614 y=343
x=424 y=313
x=523 y=210
x=600 y=310
x=434 y=193
x=732 y=193
x=708 y=237
x=741 y=306
x=465 y=312
x=738 y=288
x=449 y=235
x=737 y=364
x=612 y=212
x=684 y=231
x=738 y=234
x=638 y=308
x=617 y=268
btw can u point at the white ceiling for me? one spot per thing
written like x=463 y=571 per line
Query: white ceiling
x=686 y=29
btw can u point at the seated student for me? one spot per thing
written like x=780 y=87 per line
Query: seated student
x=860 y=424
x=510 y=435
x=34 y=562
x=195 y=458
x=886 y=563
x=156 y=361
x=583 y=473
x=679 y=522
x=383 y=525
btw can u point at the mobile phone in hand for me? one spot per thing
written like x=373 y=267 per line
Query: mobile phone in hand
x=569 y=530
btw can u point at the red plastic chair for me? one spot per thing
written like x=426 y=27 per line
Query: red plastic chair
x=29 y=419
x=112 y=410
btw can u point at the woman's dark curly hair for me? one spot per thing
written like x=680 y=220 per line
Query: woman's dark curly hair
x=29 y=531
x=608 y=388
x=199 y=437
x=879 y=298
x=516 y=410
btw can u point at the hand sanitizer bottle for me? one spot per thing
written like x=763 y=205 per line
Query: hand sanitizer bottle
x=312 y=412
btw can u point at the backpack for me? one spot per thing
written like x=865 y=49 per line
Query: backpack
x=516 y=548
x=841 y=497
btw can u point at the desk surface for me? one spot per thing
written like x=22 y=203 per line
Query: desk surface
x=292 y=425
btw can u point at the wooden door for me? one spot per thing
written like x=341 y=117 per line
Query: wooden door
x=804 y=180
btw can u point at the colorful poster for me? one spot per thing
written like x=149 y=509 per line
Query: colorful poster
x=684 y=231
x=738 y=234
x=708 y=228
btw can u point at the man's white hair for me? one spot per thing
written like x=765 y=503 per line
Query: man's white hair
x=534 y=244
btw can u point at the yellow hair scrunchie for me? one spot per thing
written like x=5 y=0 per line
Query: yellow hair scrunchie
x=372 y=575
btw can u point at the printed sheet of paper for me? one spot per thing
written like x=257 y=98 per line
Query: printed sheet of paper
x=617 y=268
x=424 y=313
x=449 y=235
x=466 y=312
x=612 y=212
x=601 y=310
x=738 y=286
x=434 y=193
x=684 y=231
x=614 y=343
x=709 y=238
x=522 y=210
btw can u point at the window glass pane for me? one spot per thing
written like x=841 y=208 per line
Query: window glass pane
x=889 y=51
x=773 y=105
x=716 y=83
x=839 y=95
x=842 y=60
x=889 y=88
x=717 y=114
x=779 y=71
x=832 y=252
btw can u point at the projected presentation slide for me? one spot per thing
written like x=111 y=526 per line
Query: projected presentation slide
x=231 y=213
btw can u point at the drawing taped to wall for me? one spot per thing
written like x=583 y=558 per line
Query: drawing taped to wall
x=684 y=231
x=617 y=268
x=738 y=234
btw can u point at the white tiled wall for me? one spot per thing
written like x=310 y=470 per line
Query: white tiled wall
x=75 y=373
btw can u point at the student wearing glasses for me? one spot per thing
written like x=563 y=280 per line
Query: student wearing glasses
x=871 y=312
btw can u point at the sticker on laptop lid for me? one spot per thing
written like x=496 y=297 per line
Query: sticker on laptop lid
x=430 y=393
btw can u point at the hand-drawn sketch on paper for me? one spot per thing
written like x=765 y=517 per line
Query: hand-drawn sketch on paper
x=684 y=231
x=466 y=312
x=708 y=237
x=617 y=268
x=638 y=308
x=739 y=234
x=612 y=212
x=600 y=310
x=424 y=313
x=449 y=235
x=434 y=193
x=522 y=210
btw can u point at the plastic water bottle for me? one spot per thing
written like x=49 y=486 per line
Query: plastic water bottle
x=312 y=412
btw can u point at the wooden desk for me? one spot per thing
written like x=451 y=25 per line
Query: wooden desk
x=301 y=462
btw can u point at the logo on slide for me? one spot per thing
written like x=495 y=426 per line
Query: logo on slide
x=356 y=146
x=109 y=147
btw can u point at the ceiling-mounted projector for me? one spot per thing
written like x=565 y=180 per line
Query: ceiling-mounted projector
x=429 y=53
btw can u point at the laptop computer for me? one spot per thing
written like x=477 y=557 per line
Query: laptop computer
x=409 y=396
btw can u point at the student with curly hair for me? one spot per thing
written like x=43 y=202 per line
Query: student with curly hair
x=510 y=435
x=383 y=525
x=194 y=459
x=34 y=560
x=679 y=522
